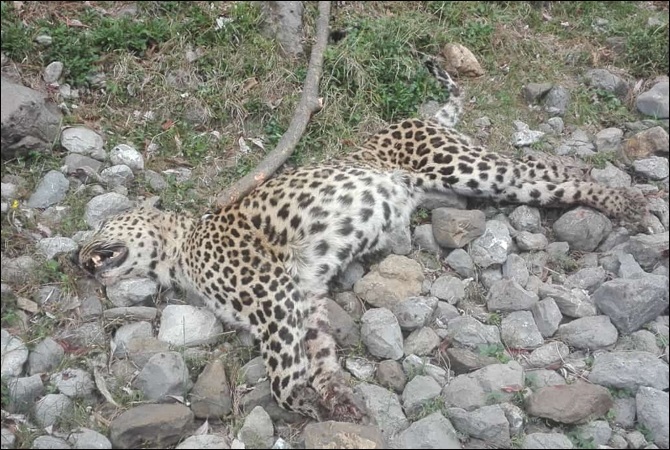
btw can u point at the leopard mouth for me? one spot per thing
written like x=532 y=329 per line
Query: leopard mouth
x=105 y=258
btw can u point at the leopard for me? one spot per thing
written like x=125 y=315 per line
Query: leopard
x=265 y=263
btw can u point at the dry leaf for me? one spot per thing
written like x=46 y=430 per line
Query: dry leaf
x=167 y=124
x=101 y=384
x=249 y=83
x=27 y=305
x=244 y=148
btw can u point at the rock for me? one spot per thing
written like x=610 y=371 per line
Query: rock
x=636 y=439
x=648 y=250
x=74 y=161
x=508 y=295
x=582 y=228
x=546 y=441
x=341 y=325
x=579 y=143
x=641 y=340
x=460 y=261
x=394 y=280
x=14 y=355
x=515 y=269
x=87 y=438
x=424 y=239
x=588 y=279
x=52 y=72
x=598 y=432
x=548 y=354
x=45 y=357
x=204 y=441
x=381 y=334
x=163 y=376
x=262 y=396
x=434 y=200
x=155 y=180
x=52 y=408
x=22 y=392
x=49 y=442
x=611 y=176
x=415 y=312
x=533 y=92
x=557 y=101
x=50 y=247
x=487 y=423
x=283 y=20
x=460 y=60
x=518 y=330
x=131 y=313
x=527 y=241
x=660 y=209
x=103 y=206
x=628 y=267
x=257 y=430
x=84 y=141
x=652 y=413
x=468 y=332
x=632 y=302
x=524 y=136
x=571 y=403
x=390 y=374
x=51 y=190
x=652 y=141
x=140 y=349
x=607 y=81
x=118 y=175
x=126 y=155
x=29 y=122
x=384 y=407
x=491 y=384
x=454 y=228
x=654 y=167
x=433 y=431
x=624 y=411
x=589 y=333
x=463 y=360
x=421 y=342
x=420 y=391
x=654 y=102
x=132 y=291
x=189 y=326
x=153 y=425
x=609 y=140
x=556 y=124
x=18 y=270
x=629 y=370
x=360 y=368
x=44 y=40
x=573 y=303
x=253 y=371
x=448 y=288
x=493 y=246
x=75 y=383
x=342 y=435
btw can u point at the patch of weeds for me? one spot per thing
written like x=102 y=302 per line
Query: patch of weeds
x=17 y=42
x=621 y=392
x=531 y=381
x=599 y=160
x=646 y=432
x=494 y=318
x=647 y=50
x=589 y=361
x=496 y=397
x=420 y=216
x=495 y=350
x=610 y=416
x=563 y=263
x=580 y=441
x=518 y=440
x=434 y=405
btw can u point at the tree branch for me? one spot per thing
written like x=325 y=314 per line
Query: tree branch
x=309 y=104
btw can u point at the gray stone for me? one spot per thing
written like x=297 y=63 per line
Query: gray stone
x=103 y=206
x=515 y=269
x=588 y=279
x=655 y=101
x=163 y=376
x=487 y=385
x=51 y=408
x=548 y=354
x=652 y=413
x=261 y=395
x=126 y=155
x=591 y=333
x=487 y=423
x=424 y=238
x=421 y=342
x=414 y=364
x=50 y=190
x=582 y=228
x=257 y=430
x=557 y=101
x=648 y=250
x=381 y=333
x=659 y=207
x=527 y=241
x=418 y=392
x=573 y=303
x=14 y=355
x=394 y=280
x=254 y=371
x=331 y=434
x=524 y=136
x=444 y=312
x=18 y=270
x=629 y=370
x=50 y=247
x=390 y=374
x=624 y=411
x=87 y=438
x=641 y=340
x=384 y=407
x=628 y=267
x=518 y=330
x=140 y=349
x=632 y=302
x=75 y=383
x=508 y=295
x=556 y=124
x=127 y=332
x=204 y=441
x=131 y=313
x=611 y=176
x=118 y=175
x=609 y=140
x=546 y=441
x=448 y=288
x=434 y=200
x=283 y=20
x=493 y=246
x=654 y=167
x=45 y=357
x=49 y=442
x=579 y=143
x=30 y=123
x=468 y=332
x=22 y=393
x=361 y=368
x=636 y=439
x=526 y=218
x=533 y=92
x=463 y=360
x=150 y=425
x=431 y=432
x=547 y=316
x=460 y=261
x=132 y=291
x=44 y=40
x=415 y=312
x=454 y=228
x=74 y=161
x=189 y=326
x=350 y=304
x=341 y=325
x=155 y=180
x=84 y=141
x=52 y=72
x=607 y=81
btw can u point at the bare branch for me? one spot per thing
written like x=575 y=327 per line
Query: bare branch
x=309 y=104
